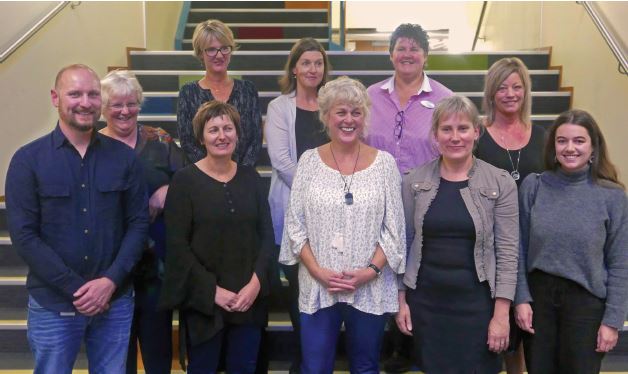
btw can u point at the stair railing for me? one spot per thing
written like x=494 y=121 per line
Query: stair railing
x=183 y=19
x=477 y=29
x=33 y=30
x=342 y=29
x=608 y=36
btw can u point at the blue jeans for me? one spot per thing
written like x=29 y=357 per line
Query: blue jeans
x=241 y=352
x=363 y=337
x=55 y=340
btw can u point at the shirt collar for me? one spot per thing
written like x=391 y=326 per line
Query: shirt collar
x=390 y=85
x=59 y=139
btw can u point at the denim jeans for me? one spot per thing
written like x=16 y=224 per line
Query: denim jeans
x=566 y=318
x=55 y=339
x=363 y=338
x=242 y=346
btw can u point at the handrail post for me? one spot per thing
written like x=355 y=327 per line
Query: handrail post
x=183 y=19
x=341 y=45
x=343 y=26
x=477 y=30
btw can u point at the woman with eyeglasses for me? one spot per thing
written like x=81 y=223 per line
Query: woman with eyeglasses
x=403 y=104
x=292 y=127
x=213 y=44
x=160 y=158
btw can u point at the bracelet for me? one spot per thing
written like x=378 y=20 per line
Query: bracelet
x=377 y=270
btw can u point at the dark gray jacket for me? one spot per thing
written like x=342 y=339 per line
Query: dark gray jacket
x=491 y=199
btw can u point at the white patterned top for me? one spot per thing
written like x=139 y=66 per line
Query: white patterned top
x=317 y=213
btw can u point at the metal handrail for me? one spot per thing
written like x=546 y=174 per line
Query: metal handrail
x=13 y=47
x=183 y=20
x=477 y=30
x=608 y=37
x=342 y=28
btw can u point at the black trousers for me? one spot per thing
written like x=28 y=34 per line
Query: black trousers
x=566 y=318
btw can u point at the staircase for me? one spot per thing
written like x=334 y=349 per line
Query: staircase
x=265 y=32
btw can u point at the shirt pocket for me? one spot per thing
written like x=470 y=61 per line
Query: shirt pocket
x=488 y=197
x=110 y=195
x=55 y=203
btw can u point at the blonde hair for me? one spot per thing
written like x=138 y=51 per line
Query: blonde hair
x=343 y=90
x=206 y=31
x=495 y=76
x=120 y=83
x=456 y=105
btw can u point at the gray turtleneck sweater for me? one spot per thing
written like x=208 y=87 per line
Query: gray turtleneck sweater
x=576 y=229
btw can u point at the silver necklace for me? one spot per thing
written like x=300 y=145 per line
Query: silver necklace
x=347 y=187
x=515 y=170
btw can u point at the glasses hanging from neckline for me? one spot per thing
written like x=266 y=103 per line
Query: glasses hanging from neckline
x=400 y=120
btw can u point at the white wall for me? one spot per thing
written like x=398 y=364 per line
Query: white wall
x=511 y=26
x=16 y=18
x=94 y=33
x=162 y=18
x=615 y=13
x=459 y=17
x=590 y=67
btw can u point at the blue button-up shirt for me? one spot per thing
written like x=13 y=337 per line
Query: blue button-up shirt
x=72 y=218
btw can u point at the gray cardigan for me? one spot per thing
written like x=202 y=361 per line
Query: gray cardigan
x=574 y=228
x=279 y=131
x=491 y=199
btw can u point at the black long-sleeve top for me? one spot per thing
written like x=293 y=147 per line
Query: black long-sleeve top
x=244 y=98
x=218 y=234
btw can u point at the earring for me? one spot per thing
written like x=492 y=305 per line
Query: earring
x=591 y=159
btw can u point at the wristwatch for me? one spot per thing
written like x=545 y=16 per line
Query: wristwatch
x=377 y=270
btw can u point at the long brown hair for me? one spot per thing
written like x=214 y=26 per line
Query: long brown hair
x=288 y=82
x=601 y=166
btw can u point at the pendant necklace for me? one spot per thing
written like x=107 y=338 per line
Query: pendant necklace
x=347 y=187
x=515 y=170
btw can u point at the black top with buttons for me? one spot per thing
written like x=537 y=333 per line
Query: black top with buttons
x=218 y=234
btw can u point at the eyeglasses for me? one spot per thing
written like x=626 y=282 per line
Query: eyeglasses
x=129 y=106
x=213 y=52
x=400 y=120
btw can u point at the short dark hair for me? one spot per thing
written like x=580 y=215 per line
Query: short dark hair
x=213 y=109
x=601 y=166
x=410 y=31
x=288 y=82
